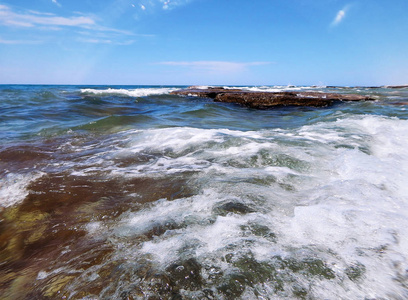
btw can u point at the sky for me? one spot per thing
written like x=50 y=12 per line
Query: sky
x=204 y=42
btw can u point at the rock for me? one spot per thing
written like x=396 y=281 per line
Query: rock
x=186 y=274
x=210 y=92
x=396 y=86
x=263 y=100
x=232 y=207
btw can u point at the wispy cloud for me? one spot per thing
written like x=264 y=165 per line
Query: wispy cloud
x=105 y=41
x=18 y=42
x=56 y=3
x=33 y=19
x=169 y=4
x=341 y=14
x=109 y=36
x=152 y=5
x=79 y=25
x=214 y=66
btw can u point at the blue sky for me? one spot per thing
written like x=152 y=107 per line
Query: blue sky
x=234 y=42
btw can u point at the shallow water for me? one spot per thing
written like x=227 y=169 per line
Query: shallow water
x=131 y=193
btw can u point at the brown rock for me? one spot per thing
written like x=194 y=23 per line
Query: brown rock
x=210 y=92
x=263 y=100
x=396 y=86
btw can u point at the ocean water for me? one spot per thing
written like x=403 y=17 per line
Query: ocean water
x=127 y=192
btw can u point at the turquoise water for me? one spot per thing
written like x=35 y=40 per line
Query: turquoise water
x=127 y=192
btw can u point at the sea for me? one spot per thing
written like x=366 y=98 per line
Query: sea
x=129 y=192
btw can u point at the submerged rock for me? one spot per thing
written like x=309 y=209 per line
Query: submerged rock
x=186 y=274
x=232 y=207
x=263 y=100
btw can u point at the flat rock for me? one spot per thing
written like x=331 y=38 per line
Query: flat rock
x=263 y=100
x=396 y=86
x=210 y=92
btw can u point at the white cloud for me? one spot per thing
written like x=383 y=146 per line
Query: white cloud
x=214 y=66
x=33 y=19
x=341 y=14
x=166 y=4
x=152 y=5
x=96 y=41
x=170 y=4
x=87 y=26
x=106 y=41
x=51 y=21
x=56 y=2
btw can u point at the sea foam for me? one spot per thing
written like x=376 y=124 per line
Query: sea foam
x=141 y=92
x=343 y=205
x=13 y=187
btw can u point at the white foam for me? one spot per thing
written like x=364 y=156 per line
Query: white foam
x=334 y=190
x=265 y=88
x=141 y=92
x=224 y=232
x=276 y=89
x=172 y=150
x=359 y=201
x=197 y=231
x=44 y=274
x=13 y=187
x=93 y=227
x=200 y=87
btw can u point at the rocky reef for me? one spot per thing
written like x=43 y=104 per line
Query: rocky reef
x=264 y=100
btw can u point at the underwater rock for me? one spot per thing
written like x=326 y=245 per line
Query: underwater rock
x=263 y=100
x=186 y=274
x=232 y=207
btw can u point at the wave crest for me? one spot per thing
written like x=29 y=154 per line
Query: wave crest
x=141 y=92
